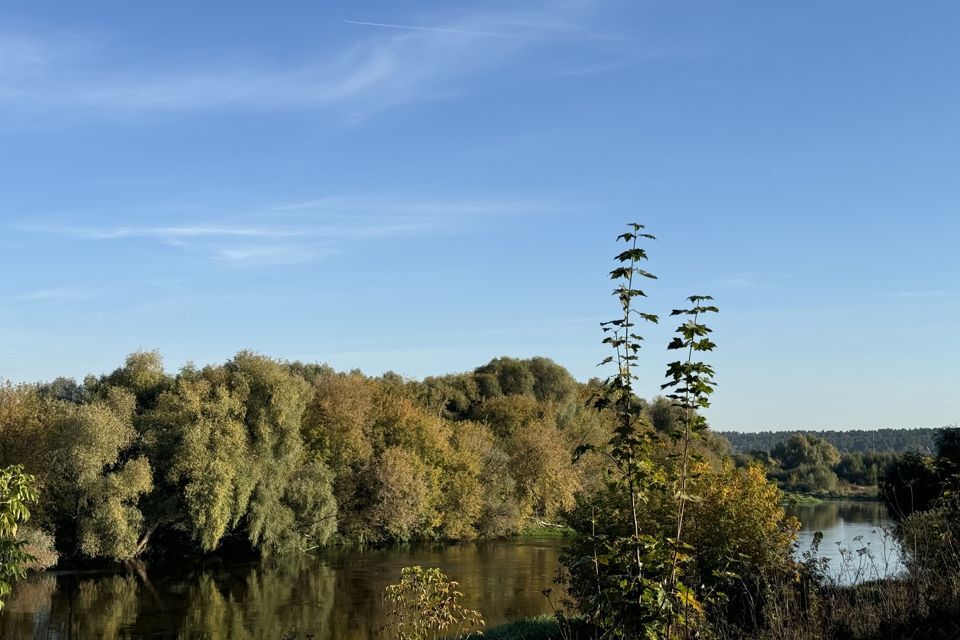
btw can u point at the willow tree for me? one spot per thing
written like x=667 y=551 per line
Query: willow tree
x=210 y=464
x=96 y=479
x=239 y=461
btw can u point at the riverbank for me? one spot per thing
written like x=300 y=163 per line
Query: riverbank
x=811 y=499
x=802 y=499
x=539 y=628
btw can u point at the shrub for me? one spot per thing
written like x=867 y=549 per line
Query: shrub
x=39 y=545
x=425 y=604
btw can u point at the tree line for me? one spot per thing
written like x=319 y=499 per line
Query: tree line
x=854 y=440
x=808 y=463
x=262 y=455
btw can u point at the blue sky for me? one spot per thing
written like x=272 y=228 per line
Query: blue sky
x=420 y=187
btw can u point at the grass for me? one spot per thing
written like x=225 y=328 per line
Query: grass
x=820 y=498
x=552 y=531
x=540 y=628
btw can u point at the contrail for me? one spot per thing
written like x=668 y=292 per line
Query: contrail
x=410 y=27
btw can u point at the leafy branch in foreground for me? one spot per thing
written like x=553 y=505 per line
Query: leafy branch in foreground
x=632 y=569
x=425 y=604
x=16 y=492
x=619 y=565
x=690 y=384
x=629 y=444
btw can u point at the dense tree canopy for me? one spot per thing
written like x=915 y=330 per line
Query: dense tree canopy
x=269 y=455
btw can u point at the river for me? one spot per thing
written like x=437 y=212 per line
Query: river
x=856 y=538
x=334 y=595
x=339 y=594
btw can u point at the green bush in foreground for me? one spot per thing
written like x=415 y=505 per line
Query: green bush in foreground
x=16 y=492
x=676 y=539
x=540 y=628
x=425 y=605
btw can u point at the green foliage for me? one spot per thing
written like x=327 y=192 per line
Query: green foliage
x=620 y=564
x=209 y=460
x=540 y=628
x=112 y=524
x=407 y=493
x=917 y=483
x=425 y=605
x=512 y=376
x=511 y=414
x=921 y=601
x=808 y=463
x=17 y=491
x=865 y=468
x=240 y=460
x=854 y=440
x=665 y=415
x=948 y=453
x=741 y=538
x=805 y=449
x=677 y=540
x=807 y=478
x=257 y=454
x=465 y=496
x=540 y=464
x=94 y=480
x=142 y=375
x=274 y=404
x=336 y=417
x=691 y=384
x=39 y=546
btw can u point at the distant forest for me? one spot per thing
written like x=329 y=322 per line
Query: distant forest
x=854 y=441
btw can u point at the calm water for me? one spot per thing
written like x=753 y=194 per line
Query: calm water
x=334 y=596
x=339 y=595
x=856 y=538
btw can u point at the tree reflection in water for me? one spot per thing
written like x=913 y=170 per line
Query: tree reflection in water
x=334 y=595
x=847 y=527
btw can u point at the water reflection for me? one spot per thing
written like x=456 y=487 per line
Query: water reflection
x=856 y=538
x=337 y=595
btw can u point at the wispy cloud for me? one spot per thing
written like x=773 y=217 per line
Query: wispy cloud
x=390 y=63
x=604 y=62
x=20 y=54
x=206 y=87
x=923 y=293
x=270 y=255
x=400 y=207
x=299 y=232
x=56 y=295
x=169 y=233
x=738 y=281
x=410 y=27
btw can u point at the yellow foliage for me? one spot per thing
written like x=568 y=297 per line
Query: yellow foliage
x=738 y=523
